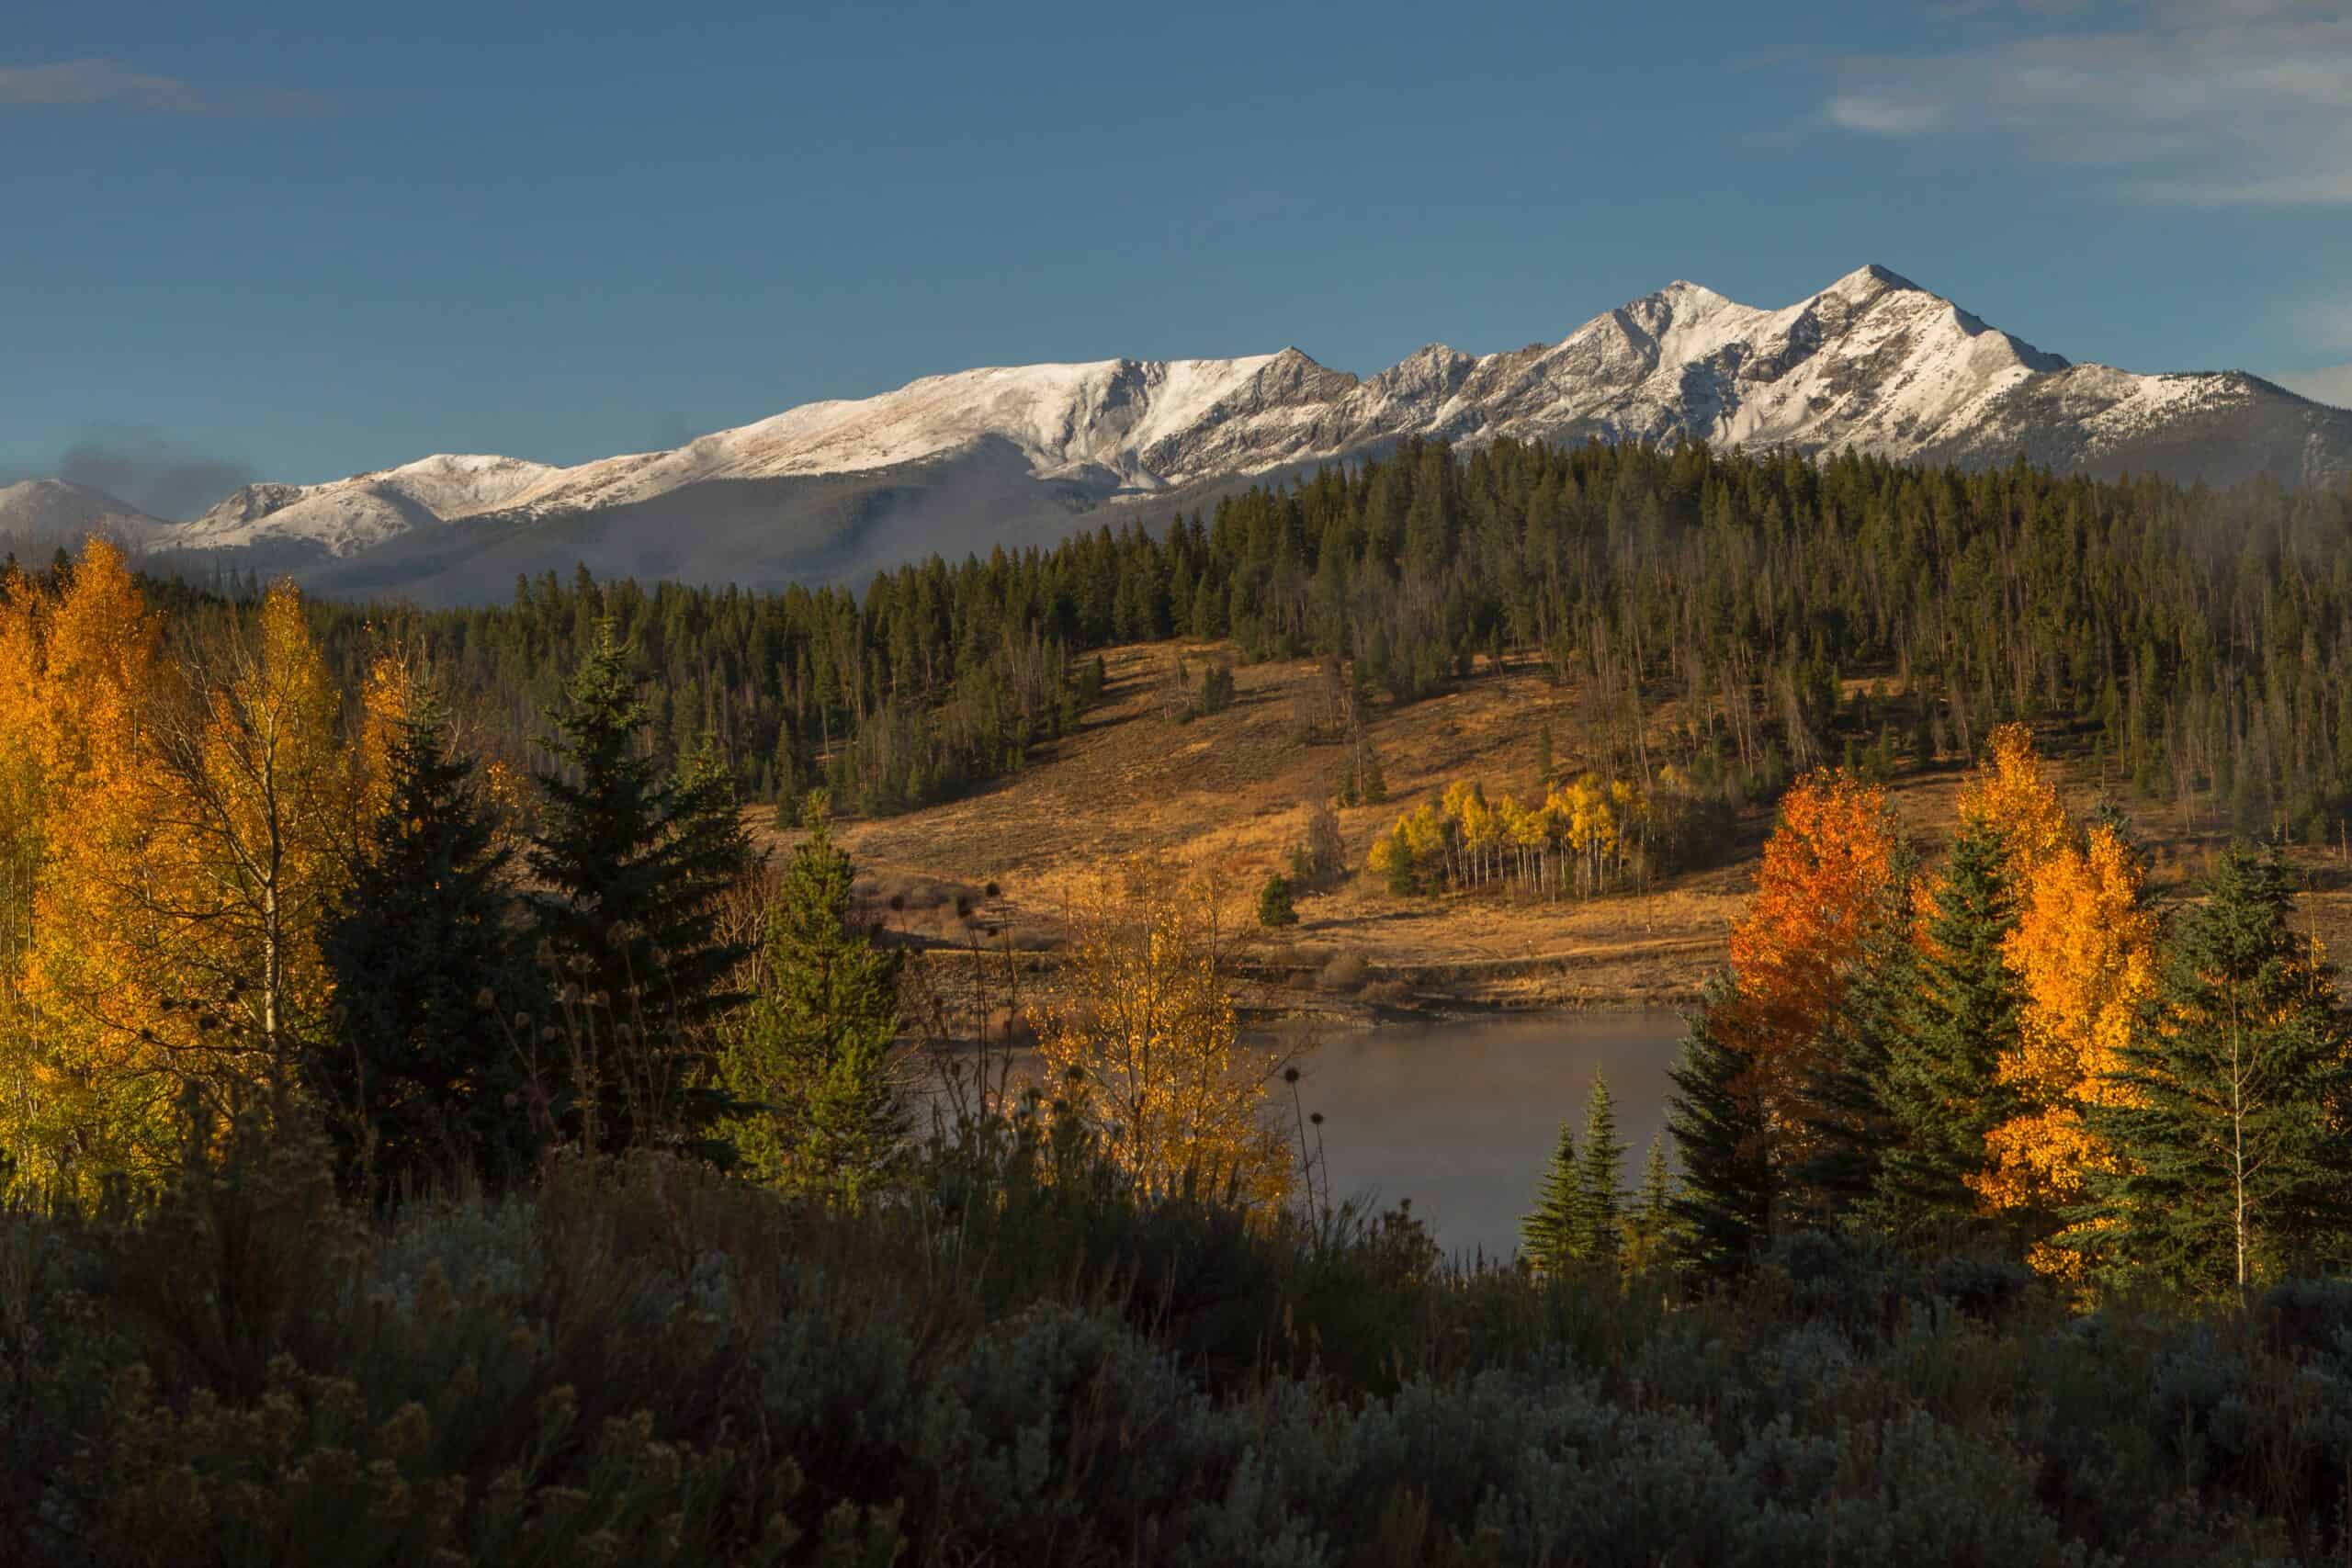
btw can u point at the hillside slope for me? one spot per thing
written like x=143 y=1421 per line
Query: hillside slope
x=1232 y=791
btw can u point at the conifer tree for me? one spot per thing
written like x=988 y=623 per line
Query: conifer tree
x=630 y=864
x=1552 y=1235
x=811 y=1054
x=1649 y=1226
x=2233 y=1163
x=1722 y=1212
x=1275 y=910
x=1600 y=1171
x=418 y=1074
x=1940 y=1080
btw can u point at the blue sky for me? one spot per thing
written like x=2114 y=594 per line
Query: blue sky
x=297 y=242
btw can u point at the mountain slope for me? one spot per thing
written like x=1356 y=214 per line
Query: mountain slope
x=44 y=513
x=831 y=491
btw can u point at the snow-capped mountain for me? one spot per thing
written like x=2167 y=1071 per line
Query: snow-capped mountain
x=1873 y=364
x=346 y=516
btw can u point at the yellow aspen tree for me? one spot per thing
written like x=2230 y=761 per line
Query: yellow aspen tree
x=22 y=839
x=2015 y=792
x=178 y=939
x=389 y=698
x=83 y=667
x=2084 y=951
x=1143 y=1043
x=23 y=794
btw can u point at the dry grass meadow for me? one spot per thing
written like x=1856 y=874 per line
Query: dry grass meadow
x=1231 y=791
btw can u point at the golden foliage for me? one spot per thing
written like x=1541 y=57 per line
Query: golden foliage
x=182 y=825
x=2085 y=953
x=2015 y=793
x=81 y=670
x=1588 y=829
x=1142 y=1040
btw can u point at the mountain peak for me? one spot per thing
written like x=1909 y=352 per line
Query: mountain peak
x=1872 y=364
x=1872 y=279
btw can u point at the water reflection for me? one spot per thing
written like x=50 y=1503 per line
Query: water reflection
x=1461 y=1117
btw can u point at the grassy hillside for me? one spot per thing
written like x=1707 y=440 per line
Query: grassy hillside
x=1233 y=790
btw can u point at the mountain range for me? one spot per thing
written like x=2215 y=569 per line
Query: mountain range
x=1023 y=455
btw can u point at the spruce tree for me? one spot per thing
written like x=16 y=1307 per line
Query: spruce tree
x=811 y=1057
x=630 y=864
x=419 y=1078
x=1553 y=1233
x=1722 y=1212
x=1939 y=1082
x=2228 y=1120
x=1649 y=1226
x=1600 y=1172
x=1275 y=910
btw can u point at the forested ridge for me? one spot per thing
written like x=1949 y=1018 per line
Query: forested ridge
x=2195 y=639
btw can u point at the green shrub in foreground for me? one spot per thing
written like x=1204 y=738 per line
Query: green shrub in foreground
x=1018 y=1361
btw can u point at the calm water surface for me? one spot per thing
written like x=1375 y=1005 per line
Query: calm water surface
x=1462 y=1117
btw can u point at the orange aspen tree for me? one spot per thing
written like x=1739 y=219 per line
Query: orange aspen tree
x=1825 y=875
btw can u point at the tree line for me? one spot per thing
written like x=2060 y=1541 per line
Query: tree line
x=1792 y=611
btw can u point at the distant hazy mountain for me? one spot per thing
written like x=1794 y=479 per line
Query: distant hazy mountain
x=833 y=490
x=41 y=514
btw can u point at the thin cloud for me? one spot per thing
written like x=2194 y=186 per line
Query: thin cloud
x=1883 y=117
x=2331 y=385
x=110 y=85
x=2224 y=103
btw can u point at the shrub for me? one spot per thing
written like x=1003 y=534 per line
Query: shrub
x=1018 y=1358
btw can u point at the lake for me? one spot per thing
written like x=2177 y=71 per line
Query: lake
x=1462 y=1117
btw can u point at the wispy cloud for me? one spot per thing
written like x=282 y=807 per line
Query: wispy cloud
x=110 y=85
x=2215 y=102
x=1884 y=115
x=2331 y=385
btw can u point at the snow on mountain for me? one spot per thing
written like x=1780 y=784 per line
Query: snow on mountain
x=1120 y=425
x=58 y=511
x=345 y=516
x=1873 y=364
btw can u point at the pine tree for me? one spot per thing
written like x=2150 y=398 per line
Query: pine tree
x=2232 y=1164
x=811 y=1054
x=1723 y=1212
x=1649 y=1226
x=1275 y=910
x=1600 y=1173
x=1552 y=1235
x=630 y=864
x=419 y=1075
x=1940 y=1081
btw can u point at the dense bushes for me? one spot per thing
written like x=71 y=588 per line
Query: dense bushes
x=1019 y=1360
